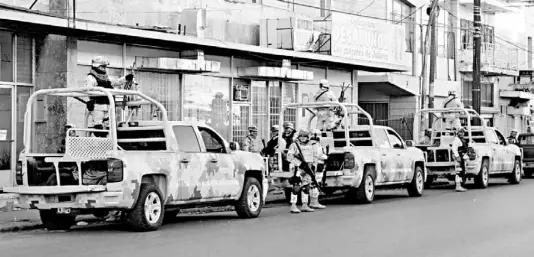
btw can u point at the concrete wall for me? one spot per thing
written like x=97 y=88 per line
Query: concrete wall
x=55 y=60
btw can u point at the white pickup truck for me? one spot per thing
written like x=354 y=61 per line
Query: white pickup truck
x=146 y=169
x=361 y=157
x=492 y=155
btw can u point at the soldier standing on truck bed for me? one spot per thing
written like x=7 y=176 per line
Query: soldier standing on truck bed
x=308 y=154
x=326 y=118
x=452 y=120
x=459 y=149
x=98 y=106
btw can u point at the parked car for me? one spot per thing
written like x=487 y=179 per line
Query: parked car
x=361 y=158
x=491 y=154
x=148 y=170
x=526 y=144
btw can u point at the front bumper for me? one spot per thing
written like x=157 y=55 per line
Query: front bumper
x=449 y=168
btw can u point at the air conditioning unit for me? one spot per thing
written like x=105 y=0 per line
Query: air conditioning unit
x=288 y=33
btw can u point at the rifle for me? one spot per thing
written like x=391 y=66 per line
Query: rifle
x=129 y=86
x=306 y=167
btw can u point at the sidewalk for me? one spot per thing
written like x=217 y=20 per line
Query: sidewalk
x=12 y=218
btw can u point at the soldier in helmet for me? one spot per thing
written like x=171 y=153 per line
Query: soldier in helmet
x=326 y=119
x=98 y=106
x=459 y=149
x=252 y=142
x=452 y=120
x=273 y=147
x=311 y=154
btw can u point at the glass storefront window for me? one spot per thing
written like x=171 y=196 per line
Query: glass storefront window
x=24 y=59
x=276 y=99
x=241 y=122
x=163 y=87
x=206 y=101
x=6 y=56
x=5 y=130
x=260 y=108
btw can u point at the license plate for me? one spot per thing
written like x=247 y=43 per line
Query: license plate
x=334 y=173
x=63 y=210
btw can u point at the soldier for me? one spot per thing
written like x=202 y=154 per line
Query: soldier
x=289 y=137
x=425 y=139
x=319 y=167
x=98 y=106
x=326 y=119
x=459 y=149
x=311 y=154
x=272 y=145
x=252 y=142
x=513 y=136
x=452 y=120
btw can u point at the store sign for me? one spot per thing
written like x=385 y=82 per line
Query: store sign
x=366 y=39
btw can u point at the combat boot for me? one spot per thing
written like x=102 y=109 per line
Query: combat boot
x=305 y=207
x=458 y=182
x=294 y=208
x=314 y=200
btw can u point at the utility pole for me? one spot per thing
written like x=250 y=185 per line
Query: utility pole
x=476 y=58
x=431 y=21
x=433 y=52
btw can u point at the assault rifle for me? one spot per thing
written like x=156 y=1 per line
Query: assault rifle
x=306 y=167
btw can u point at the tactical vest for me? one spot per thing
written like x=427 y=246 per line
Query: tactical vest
x=101 y=81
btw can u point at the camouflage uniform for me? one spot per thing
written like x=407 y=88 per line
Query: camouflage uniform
x=98 y=77
x=452 y=120
x=272 y=146
x=311 y=154
x=326 y=119
x=252 y=142
x=318 y=148
x=459 y=150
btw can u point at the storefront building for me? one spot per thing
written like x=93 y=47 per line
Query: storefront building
x=238 y=85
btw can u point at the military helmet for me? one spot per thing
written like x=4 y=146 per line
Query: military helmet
x=252 y=129
x=304 y=133
x=324 y=83
x=99 y=61
x=275 y=128
x=288 y=124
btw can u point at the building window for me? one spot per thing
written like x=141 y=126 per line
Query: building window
x=206 y=101
x=6 y=56
x=260 y=112
x=400 y=12
x=241 y=122
x=282 y=93
x=486 y=94
x=466 y=32
x=165 y=88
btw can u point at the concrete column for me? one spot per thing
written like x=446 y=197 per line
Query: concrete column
x=517 y=123
x=56 y=58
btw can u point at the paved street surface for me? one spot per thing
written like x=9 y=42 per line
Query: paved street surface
x=498 y=221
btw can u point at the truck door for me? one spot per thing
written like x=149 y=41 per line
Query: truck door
x=496 y=158
x=191 y=179
x=386 y=172
x=403 y=165
x=508 y=156
x=221 y=168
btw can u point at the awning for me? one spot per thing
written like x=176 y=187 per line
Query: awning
x=176 y=64
x=41 y=23
x=516 y=94
x=265 y=72
x=488 y=6
x=391 y=84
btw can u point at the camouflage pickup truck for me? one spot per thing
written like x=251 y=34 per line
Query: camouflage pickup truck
x=360 y=157
x=491 y=154
x=146 y=169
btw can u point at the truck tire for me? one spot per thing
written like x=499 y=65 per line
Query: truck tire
x=482 y=178
x=365 y=193
x=250 y=203
x=53 y=221
x=416 y=187
x=515 y=176
x=148 y=212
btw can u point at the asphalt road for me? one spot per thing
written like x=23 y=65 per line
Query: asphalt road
x=498 y=221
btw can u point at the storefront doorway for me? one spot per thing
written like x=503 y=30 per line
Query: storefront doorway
x=6 y=138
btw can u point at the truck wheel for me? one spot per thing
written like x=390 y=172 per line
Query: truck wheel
x=147 y=214
x=416 y=187
x=250 y=203
x=515 y=176
x=365 y=193
x=53 y=221
x=482 y=178
x=287 y=192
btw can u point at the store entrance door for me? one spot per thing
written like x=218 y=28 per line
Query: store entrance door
x=6 y=140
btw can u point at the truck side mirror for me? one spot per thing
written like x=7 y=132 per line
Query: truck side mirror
x=410 y=143
x=511 y=141
x=234 y=146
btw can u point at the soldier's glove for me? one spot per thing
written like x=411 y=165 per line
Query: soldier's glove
x=129 y=77
x=90 y=105
x=459 y=159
